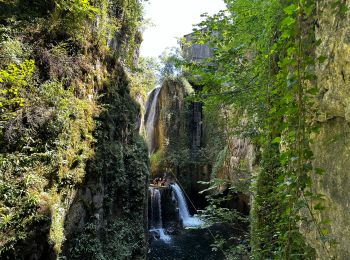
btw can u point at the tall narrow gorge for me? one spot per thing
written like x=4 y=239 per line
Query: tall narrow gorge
x=117 y=145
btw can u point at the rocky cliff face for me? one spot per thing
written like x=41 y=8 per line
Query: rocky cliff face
x=232 y=156
x=168 y=122
x=235 y=165
x=178 y=137
x=171 y=130
x=191 y=147
x=331 y=145
x=74 y=171
x=108 y=215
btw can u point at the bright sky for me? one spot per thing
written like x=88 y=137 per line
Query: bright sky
x=173 y=19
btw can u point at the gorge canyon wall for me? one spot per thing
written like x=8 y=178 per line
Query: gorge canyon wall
x=331 y=144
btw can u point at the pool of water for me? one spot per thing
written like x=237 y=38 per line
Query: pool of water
x=189 y=244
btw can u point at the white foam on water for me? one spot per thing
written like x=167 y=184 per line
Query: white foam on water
x=156 y=213
x=187 y=219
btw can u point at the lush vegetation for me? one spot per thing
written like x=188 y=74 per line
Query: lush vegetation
x=73 y=169
x=63 y=91
x=259 y=85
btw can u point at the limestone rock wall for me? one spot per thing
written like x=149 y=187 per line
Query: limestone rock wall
x=108 y=214
x=232 y=156
x=332 y=144
x=179 y=138
x=74 y=171
x=171 y=109
x=236 y=164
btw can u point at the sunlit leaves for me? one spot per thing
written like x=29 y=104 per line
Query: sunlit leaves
x=276 y=140
x=289 y=10
x=13 y=80
x=263 y=62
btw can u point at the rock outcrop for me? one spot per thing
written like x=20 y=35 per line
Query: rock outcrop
x=74 y=171
x=331 y=145
x=178 y=137
x=108 y=214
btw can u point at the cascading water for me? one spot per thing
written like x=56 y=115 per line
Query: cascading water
x=187 y=219
x=156 y=215
x=150 y=117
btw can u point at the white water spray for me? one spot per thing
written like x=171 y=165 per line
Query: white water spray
x=150 y=117
x=187 y=219
x=156 y=215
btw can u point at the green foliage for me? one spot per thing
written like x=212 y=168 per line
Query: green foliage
x=13 y=81
x=73 y=17
x=237 y=245
x=128 y=37
x=119 y=240
x=143 y=78
x=169 y=64
x=263 y=65
x=120 y=163
x=219 y=161
x=50 y=121
x=12 y=51
x=87 y=244
x=23 y=10
x=18 y=202
x=78 y=9
x=156 y=160
x=52 y=141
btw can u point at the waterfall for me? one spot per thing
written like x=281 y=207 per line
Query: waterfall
x=156 y=214
x=150 y=118
x=187 y=219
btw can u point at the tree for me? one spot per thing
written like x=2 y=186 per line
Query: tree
x=262 y=55
x=170 y=61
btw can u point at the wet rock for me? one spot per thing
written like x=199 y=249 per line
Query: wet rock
x=172 y=231
x=154 y=234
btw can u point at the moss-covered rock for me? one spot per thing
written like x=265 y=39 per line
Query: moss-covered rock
x=73 y=169
x=179 y=137
x=331 y=145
